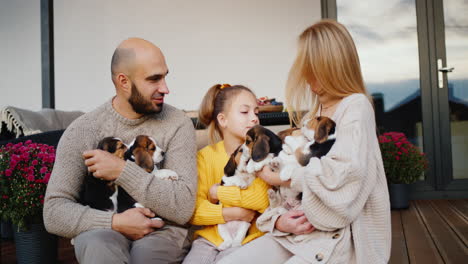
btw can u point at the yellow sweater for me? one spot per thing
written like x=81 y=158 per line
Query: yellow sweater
x=211 y=161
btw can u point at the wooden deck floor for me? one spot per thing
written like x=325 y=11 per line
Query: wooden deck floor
x=430 y=231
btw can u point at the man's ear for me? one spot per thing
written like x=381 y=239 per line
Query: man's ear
x=124 y=83
x=222 y=120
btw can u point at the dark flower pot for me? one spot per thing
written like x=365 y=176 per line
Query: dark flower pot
x=6 y=231
x=399 y=196
x=35 y=246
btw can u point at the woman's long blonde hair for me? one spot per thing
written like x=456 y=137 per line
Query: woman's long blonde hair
x=327 y=54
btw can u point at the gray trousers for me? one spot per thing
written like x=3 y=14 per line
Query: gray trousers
x=264 y=249
x=166 y=245
x=205 y=252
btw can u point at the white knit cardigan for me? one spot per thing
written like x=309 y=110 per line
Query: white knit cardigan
x=345 y=195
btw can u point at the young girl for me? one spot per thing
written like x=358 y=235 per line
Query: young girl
x=345 y=200
x=229 y=112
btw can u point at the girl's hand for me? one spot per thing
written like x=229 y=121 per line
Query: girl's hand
x=295 y=222
x=213 y=194
x=272 y=177
x=238 y=213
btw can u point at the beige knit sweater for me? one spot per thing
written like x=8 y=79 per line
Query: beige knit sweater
x=345 y=195
x=172 y=200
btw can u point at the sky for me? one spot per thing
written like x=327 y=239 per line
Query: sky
x=385 y=33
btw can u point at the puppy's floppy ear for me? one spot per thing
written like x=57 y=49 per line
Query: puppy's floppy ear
x=143 y=159
x=288 y=132
x=261 y=148
x=325 y=127
x=276 y=144
x=106 y=144
x=231 y=165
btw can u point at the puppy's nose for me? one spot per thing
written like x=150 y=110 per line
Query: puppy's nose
x=162 y=153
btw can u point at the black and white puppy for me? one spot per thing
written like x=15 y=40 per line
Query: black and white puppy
x=101 y=194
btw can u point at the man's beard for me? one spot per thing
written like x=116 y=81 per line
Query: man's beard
x=142 y=106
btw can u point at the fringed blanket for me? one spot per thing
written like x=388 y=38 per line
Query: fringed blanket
x=22 y=122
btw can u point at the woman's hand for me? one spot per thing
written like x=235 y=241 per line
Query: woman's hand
x=213 y=194
x=271 y=177
x=238 y=213
x=295 y=222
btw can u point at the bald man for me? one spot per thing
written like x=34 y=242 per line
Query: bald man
x=139 y=73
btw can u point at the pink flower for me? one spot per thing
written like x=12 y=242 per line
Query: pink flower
x=397 y=157
x=35 y=162
x=31 y=177
x=8 y=172
x=46 y=178
x=43 y=170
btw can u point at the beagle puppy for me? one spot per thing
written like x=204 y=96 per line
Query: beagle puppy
x=316 y=139
x=235 y=174
x=144 y=151
x=101 y=194
x=262 y=145
x=259 y=148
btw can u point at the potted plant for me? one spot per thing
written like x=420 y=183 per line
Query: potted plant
x=404 y=163
x=25 y=170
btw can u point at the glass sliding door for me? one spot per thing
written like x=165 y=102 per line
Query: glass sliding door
x=385 y=32
x=414 y=58
x=452 y=58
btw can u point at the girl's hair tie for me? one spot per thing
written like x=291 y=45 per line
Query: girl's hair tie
x=224 y=86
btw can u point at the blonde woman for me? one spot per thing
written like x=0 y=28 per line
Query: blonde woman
x=345 y=201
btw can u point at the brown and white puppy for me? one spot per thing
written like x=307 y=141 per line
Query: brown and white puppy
x=263 y=146
x=259 y=148
x=100 y=194
x=235 y=174
x=144 y=151
x=316 y=139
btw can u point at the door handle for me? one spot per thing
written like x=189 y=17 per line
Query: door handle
x=447 y=69
x=441 y=71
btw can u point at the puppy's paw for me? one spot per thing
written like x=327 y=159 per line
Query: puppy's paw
x=166 y=174
x=275 y=162
x=243 y=185
x=225 y=245
x=138 y=205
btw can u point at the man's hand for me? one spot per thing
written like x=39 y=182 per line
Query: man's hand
x=213 y=194
x=238 y=213
x=294 y=222
x=103 y=164
x=134 y=223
